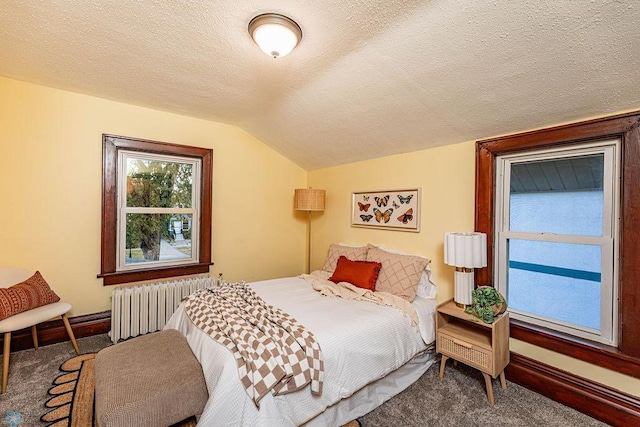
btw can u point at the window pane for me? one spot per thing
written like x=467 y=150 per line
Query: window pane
x=157 y=237
x=559 y=281
x=563 y=196
x=159 y=184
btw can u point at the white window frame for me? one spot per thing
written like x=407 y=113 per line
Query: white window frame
x=123 y=210
x=608 y=333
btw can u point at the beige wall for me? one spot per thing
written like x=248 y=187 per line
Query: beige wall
x=447 y=178
x=50 y=190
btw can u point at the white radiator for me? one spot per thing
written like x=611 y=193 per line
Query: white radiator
x=142 y=309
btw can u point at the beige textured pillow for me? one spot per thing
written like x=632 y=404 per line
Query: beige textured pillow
x=353 y=253
x=400 y=274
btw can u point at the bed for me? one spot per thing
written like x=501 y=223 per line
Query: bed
x=371 y=353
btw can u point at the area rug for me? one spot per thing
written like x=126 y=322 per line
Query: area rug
x=72 y=396
x=71 y=403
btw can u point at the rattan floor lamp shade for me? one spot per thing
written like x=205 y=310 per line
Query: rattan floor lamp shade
x=310 y=200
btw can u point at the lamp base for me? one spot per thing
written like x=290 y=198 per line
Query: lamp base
x=463 y=286
x=462 y=306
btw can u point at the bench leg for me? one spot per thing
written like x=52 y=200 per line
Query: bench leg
x=70 y=332
x=5 y=361
x=34 y=335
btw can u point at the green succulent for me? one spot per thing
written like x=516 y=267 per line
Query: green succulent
x=484 y=299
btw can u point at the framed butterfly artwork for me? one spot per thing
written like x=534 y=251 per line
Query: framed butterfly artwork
x=387 y=210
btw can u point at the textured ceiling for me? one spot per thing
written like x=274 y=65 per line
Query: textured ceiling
x=369 y=79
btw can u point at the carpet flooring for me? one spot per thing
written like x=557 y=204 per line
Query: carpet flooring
x=31 y=375
x=457 y=399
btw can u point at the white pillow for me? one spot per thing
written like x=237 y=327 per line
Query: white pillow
x=426 y=286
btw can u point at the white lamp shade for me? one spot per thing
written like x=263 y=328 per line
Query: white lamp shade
x=275 y=40
x=467 y=250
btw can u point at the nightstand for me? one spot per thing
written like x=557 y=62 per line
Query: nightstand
x=469 y=340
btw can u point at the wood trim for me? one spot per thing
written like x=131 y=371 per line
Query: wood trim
x=130 y=276
x=485 y=200
x=623 y=126
x=53 y=331
x=111 y=144
x=596 y=400
x=606 y=356
x=598 y=354
x=629 y=282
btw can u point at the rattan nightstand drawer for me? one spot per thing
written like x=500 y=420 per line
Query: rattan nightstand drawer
x=465 y=352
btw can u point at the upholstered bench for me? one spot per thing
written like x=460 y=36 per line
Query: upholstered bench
x=153 y=380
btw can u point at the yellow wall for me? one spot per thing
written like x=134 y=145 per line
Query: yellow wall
x=447 y=177
x=50 y=190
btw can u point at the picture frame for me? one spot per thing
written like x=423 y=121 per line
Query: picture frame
x=387 y=210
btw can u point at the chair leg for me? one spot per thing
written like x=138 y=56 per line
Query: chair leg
x=70 y=332
x=34 y=334
x=5 y=361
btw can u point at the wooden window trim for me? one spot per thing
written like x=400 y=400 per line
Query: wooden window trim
x=626 y=357
x=111 y=144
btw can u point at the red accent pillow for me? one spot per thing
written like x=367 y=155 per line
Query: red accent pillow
x=32 y=293
x=362 y=274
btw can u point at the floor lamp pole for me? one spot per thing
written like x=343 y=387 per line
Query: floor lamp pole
x=308 y=199
x=309 y=243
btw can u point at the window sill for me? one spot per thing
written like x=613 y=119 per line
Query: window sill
x=597 y=354
x=129 y=276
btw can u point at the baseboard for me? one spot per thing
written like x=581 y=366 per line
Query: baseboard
x=53 y=331
x=596 y=400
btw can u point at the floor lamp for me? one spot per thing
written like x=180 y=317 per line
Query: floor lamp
x=310 y=200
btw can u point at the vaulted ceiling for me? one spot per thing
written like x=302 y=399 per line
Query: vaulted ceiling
x=369 y=79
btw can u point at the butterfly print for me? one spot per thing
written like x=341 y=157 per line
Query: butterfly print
x=364 y=207
x=395 y=205
x=405 y=199
x=406 y=217
x=366 y=218
x=382 y=201
x=383 y=216
x=366 y=198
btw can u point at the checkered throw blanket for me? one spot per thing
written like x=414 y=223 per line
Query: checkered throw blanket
x=273 y=351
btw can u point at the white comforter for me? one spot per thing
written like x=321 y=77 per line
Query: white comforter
x=361 y=342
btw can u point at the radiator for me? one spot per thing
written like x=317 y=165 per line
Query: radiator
x=139 y=310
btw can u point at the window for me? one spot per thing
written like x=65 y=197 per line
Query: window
x=156 y=206
x=556 y=234
x=156 y=210
x=623 y=355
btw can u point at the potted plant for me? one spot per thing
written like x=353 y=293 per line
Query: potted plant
x=487 y=304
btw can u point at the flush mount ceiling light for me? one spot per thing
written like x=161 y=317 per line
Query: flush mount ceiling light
x=275 y=34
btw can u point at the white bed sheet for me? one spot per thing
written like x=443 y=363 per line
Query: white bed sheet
x=361 y=343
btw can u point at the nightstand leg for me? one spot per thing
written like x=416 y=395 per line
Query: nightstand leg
x=442 y=363
x=487 y=381
x=503 y=381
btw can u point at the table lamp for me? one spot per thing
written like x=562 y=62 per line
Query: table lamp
x=465 y=251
